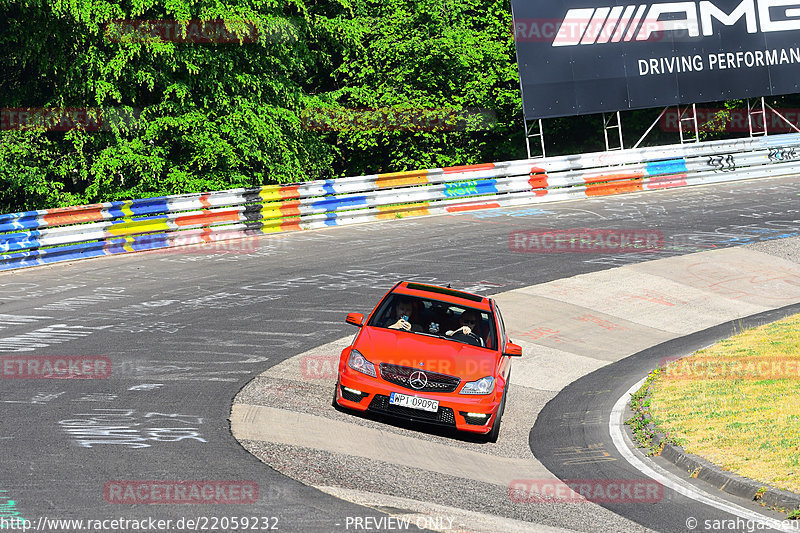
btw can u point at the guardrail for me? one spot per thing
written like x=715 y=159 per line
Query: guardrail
x=46 y=236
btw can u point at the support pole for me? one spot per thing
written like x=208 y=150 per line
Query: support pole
x=534 y=130
x=609 y=124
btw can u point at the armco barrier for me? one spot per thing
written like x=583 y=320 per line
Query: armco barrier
x=52 y=235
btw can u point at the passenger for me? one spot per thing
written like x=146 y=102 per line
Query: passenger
x=435 y=317
x=404 y=313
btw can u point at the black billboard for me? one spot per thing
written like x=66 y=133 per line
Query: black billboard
x=579 y=57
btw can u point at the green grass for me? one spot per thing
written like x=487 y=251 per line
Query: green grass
x=737 y=403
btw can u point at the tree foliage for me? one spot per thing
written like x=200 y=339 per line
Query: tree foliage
x=180 y=115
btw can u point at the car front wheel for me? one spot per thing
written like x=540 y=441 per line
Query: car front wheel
x=494 y=433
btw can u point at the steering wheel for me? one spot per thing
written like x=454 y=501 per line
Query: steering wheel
x=470 y=338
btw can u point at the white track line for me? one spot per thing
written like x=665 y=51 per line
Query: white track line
x=674 y=482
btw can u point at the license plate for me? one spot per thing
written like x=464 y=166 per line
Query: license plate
x=414 y=402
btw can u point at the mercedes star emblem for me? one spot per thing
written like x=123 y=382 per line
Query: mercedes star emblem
x=418 y=380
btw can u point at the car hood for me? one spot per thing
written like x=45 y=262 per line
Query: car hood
x=402 y=348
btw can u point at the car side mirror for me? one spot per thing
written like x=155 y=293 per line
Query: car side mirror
x=512 y=350
x=356 y=319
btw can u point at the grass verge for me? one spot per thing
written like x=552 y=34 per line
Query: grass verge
x=736 y=403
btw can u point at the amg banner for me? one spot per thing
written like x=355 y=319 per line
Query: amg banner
x=579 y=57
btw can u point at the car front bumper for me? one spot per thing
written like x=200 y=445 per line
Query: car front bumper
x=373 y=397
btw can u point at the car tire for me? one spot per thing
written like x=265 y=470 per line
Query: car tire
x=494 y=433
x=334 y=403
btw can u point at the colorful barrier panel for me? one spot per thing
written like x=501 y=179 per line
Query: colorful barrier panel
x=64 y=234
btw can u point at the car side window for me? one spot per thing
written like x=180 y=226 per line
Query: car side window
x=489 y=332
x=501 y=333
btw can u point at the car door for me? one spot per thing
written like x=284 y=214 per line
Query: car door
x=504 y=361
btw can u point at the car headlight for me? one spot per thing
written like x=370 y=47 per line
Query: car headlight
x=360 y=364
x=482 y=386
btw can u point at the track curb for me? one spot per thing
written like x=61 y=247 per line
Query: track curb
x=730 y=482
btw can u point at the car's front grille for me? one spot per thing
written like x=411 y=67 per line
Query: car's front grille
x=380 y=404
x=417 y=379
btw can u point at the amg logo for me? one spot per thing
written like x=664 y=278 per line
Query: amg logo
x=627 y=23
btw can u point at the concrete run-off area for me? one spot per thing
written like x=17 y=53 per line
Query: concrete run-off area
x=568 y=328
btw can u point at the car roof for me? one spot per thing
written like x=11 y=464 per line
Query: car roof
x=445 y=294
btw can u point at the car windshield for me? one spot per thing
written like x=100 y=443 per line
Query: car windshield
x=427 y=316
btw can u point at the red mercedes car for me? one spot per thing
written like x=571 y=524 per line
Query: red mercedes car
x=429 y=354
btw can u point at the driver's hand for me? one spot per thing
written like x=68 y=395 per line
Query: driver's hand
x=401 y=324
x=463 y=329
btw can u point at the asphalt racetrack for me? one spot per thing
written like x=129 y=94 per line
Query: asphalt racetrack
x=185 y=330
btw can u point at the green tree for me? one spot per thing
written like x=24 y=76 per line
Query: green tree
x=179 y=116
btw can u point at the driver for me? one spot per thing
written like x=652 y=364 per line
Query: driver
x=469 y=326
